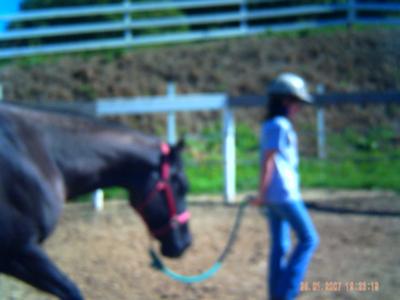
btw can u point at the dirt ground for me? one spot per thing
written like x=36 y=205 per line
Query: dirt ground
x=106 y=253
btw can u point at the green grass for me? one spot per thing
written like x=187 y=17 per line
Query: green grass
x=315 y=173
x=369 y=173
x=358 y=161
x=379 y=174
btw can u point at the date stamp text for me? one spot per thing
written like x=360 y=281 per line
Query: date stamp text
x=340 y=286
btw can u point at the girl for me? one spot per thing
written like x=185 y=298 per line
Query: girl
x=280 y=188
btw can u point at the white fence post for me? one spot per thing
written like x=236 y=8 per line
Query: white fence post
x=171 y=118
x=229 y=155
x=127 y=21
x=243 y=16
x=351 y=12
x=321 y=137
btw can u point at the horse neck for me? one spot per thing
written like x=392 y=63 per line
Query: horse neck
x=91 y=153
x=105 y=160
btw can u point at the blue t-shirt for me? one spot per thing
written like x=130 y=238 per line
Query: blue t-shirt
x=278 y=134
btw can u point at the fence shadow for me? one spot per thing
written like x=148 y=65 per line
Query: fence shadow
x=317 y=206
x=326 y=208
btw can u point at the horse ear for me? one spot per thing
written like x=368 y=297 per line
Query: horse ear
x=181 y=144
x=177 y=149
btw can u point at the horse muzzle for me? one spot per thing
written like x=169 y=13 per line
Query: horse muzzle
x=177 y=241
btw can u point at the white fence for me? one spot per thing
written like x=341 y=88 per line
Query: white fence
x=128 y=24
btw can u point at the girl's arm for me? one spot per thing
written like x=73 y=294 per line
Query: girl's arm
x=267 y=168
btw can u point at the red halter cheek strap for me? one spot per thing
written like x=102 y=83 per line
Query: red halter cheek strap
x=163 y=185
x=165 y=166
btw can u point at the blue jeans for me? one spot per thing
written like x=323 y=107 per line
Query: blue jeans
x=287 y=272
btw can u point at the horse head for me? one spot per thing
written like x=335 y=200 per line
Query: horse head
x=163 y=204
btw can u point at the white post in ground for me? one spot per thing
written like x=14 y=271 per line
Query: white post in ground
x=98 y=195
x=229 y=155
x=171 y=118
x=321 y=138
x=98 y=200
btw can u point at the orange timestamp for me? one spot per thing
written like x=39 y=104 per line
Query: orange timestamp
x=340 y=286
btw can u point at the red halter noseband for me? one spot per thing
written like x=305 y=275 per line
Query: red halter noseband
x=163 y=185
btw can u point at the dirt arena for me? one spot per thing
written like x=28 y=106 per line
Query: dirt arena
x=106 y=253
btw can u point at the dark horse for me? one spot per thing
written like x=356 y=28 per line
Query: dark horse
x=47 y=157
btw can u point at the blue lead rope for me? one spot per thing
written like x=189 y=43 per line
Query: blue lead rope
x=160 y=266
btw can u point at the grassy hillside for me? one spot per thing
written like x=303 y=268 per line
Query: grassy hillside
x=363 y=58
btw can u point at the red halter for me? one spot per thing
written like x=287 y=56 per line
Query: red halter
x=163 y=185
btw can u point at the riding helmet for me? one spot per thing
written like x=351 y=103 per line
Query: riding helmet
x=290 y=84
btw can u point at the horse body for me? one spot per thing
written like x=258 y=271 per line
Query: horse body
x=48 y=157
